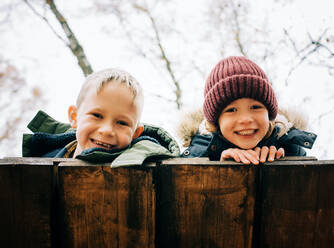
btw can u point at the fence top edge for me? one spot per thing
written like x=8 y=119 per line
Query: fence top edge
x=26 y=161
x=207 y=161
x=169 y=162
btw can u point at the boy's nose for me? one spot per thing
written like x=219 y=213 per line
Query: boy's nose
x=107 y=129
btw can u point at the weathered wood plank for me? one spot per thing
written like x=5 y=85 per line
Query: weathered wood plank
x=205 y=206
x=105 y=207
x=179 y=203
x=297 y=206
x=206 y=161
x=25 y=204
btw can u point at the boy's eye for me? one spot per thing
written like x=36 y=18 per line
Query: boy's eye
x=230 y=110
x=123 y=123
x=97 y=115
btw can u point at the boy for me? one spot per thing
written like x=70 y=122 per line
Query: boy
x=105 y=125
x=240 y=111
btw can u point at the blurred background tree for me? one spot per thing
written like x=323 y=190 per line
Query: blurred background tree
x=17 y=102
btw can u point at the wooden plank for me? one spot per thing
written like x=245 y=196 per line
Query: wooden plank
x=206 y=161
x=25 y=204
x=205 y=206
x=26 y=161
x=297 y=206
x=324 y=228
x=105 y=207
x=180 y=203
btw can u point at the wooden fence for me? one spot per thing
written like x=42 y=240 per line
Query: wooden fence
x=176 y=203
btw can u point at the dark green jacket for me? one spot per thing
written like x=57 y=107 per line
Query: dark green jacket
x=50 y=137
x=212 y=145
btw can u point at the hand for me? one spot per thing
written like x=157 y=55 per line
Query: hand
x=240 y=155
x=269 y=154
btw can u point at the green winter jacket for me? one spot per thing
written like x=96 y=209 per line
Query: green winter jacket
x=50 y=137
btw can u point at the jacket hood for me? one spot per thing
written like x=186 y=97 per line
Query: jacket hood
x=194 y=122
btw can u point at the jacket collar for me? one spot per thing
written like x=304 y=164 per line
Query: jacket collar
x=47 y=129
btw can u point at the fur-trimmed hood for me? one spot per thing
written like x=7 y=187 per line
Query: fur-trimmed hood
x=194 y=122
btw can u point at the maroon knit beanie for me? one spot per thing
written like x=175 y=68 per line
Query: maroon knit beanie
x=233 y=78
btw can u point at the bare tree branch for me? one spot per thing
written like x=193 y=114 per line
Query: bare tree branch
x=324 y=114
x=291 y=40
x=161 y=97
x=46 y=21
x=128 y=33
x=163 y=56
x=319 y=44
x=302 y=59
x=312 y=47
x=14 y=86
x=237 y=29
x=73 y=44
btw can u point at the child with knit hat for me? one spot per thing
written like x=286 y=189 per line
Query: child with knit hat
x=241 y=120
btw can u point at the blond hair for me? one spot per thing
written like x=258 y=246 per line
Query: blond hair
x=99 y=79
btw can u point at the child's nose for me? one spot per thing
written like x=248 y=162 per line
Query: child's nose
x=107 y=129
x=245 y=118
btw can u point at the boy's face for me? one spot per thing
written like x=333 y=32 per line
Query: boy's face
x=107 y=119
x=244 y=122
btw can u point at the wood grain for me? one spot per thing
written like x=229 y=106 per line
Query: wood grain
x=105 y=207
x=205 y=206
x=297 y=206
x=176 y=203
x=26 y=197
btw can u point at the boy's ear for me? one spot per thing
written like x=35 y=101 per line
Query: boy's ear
x=72 y=116
x=138 y=132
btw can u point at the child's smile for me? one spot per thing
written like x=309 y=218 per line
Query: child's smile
x=246 y=132
x=101 y=144
x=244 y=122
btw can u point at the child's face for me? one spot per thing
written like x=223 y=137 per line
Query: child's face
x=244 y=122
x=107 y=119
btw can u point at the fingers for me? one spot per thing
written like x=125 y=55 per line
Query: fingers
x=249 y=156
x=264 y=154
x=270 y=154
x=229 y=153
x=239 y=155
x=280 y=153
x=256 y=156
x=258 y=151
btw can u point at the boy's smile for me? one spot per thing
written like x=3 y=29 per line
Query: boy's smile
x=105 y=119
x=244 y=122
x=102 y=144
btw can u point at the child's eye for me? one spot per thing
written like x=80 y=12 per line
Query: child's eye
x=97 y=115
x=123 y=123
x=230 y=110
x=256 y=107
